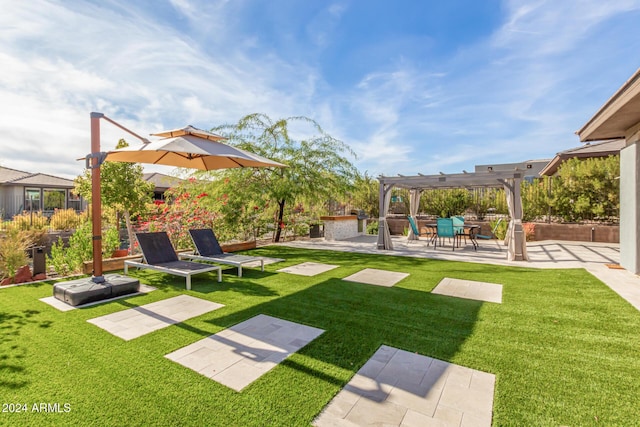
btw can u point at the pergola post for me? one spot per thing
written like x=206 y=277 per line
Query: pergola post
x=515 y=238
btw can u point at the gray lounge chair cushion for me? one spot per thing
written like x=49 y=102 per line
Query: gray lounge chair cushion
x=206 y=242
x=157 y=248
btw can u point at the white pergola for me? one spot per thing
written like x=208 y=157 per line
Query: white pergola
x=509 y=180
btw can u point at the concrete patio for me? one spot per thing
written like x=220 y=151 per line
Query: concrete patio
x=592 y=256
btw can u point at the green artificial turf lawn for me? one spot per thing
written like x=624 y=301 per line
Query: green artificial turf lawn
x=565 y=349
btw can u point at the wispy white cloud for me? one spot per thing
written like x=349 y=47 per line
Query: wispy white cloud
x=128 y=66
x=548 y=27
x=517 y=93
x=509 y=97
x=321 y=27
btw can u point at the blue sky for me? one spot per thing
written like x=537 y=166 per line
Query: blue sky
x=411 y=86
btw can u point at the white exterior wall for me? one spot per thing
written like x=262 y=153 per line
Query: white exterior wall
x=629 y=208
x=340 y=229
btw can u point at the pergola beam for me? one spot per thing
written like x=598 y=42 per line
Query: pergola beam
x=475 y=179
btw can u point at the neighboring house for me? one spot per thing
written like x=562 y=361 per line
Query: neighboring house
x=162 y=182
x=532 y=168
x=588 y=150
x=31 y=192
x=23 y=191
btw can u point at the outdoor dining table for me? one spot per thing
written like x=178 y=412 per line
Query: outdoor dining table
x=471 y=231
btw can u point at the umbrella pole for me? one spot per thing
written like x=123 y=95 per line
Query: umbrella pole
x=96 y=198
x=98 y=288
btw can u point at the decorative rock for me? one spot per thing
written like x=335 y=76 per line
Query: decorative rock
x=39 y=276
x=23 y=275
x=6 y=281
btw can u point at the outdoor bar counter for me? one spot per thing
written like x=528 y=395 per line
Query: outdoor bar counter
x=340 y=227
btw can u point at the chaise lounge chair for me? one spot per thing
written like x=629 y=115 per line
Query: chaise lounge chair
x=159 y=255
x=208 y=249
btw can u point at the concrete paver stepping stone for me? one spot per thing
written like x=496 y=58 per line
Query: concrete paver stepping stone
x=244 y=352
x=398 y=388
x=135 y=322
x=308 y=268
x=63 y=306
x=372 y=276
x=469 y=289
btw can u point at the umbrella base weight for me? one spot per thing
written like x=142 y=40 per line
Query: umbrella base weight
x=83 y=291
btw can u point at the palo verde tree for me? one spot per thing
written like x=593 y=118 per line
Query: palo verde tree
x=123 y=188
x=316 y=171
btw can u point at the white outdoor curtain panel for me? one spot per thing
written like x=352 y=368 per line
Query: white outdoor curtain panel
x=384 y=236
x=510 y=202
x=515 y=238
x=414 y=204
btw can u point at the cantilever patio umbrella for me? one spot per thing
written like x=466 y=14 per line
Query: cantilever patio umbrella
x=190 y=147
x=187 y=147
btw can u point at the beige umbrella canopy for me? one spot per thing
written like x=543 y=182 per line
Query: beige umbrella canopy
x=190 y=130
x=190 y=147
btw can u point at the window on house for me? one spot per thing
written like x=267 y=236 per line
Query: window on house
x=74 y=201
x=32 y=199
x=53 y=199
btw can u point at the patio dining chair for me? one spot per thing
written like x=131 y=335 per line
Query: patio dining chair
x=445 y=228
x=415 y=229
x=458 y=227
x=492 y=234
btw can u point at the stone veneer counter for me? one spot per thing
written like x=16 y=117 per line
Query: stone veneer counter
x=340 y=227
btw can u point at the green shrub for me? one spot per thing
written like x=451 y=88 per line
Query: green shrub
x=69 y=259
x=110 y=241
x=501 y=231
x=29 y=221
x=300 y=229
x=372 y=227
x=57 y=259
x=535 y=198
x=445 y=202
x=80 y=249
x=479 y=203
x=587 y=189
x=65 y=219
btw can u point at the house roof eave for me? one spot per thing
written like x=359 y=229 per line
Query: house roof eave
x=617 y=115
